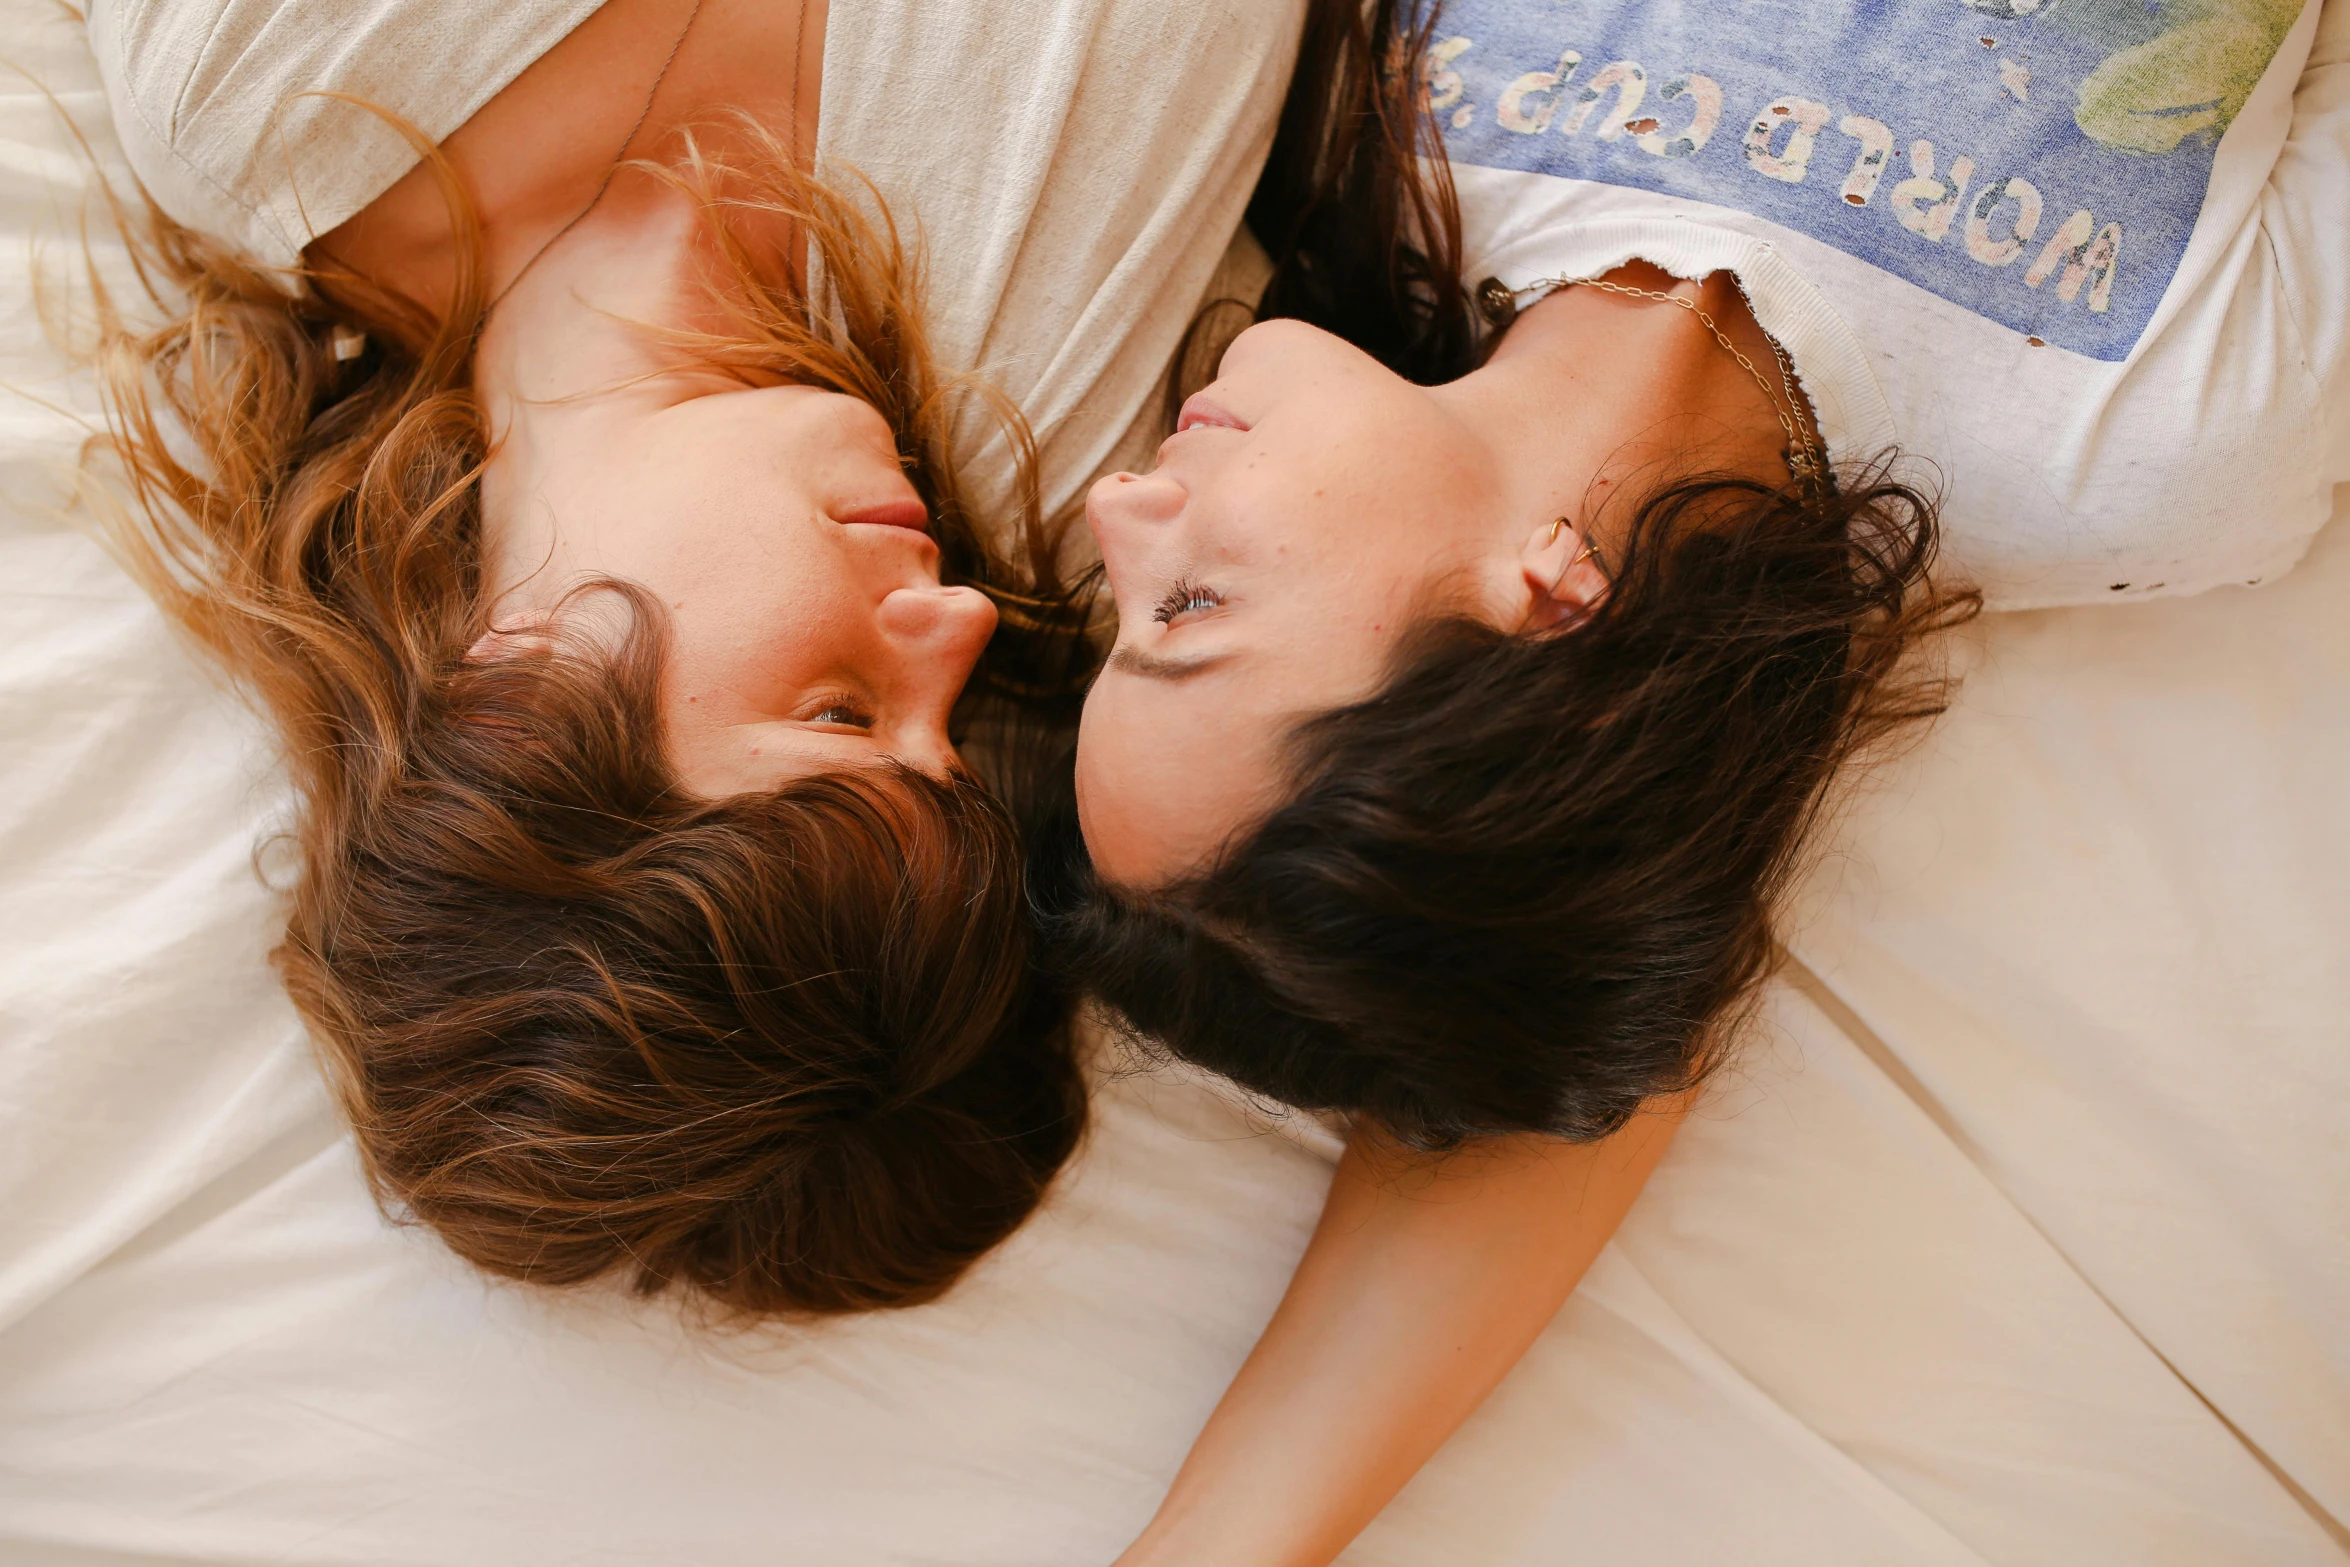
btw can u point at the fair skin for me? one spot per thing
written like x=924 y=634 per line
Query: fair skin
x=1425 y=1282
x=1308 y=507
x=1310 y=501
x=773 y=523
x=810 y=631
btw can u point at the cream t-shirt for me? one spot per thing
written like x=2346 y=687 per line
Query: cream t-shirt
x=1073 y=169
x=224 y=113
x=1076 y=170
x=2086 y=264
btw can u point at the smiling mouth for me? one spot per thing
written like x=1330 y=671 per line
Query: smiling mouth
x=904 y=512
x=1200 y=411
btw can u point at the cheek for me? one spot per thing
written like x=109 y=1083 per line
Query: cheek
x=1371 y=549
x=1374 y=591
x=1167 y=776
x=1327 y=582
x=1125 y=809
x=752 y=640
x=684 y=532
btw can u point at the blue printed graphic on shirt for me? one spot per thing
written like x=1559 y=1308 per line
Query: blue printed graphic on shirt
x=2038 y=162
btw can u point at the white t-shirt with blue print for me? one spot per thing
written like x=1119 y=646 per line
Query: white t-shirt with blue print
x=2085 y=263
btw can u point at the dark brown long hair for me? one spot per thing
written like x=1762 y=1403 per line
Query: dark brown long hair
x=790 y=1048
x=1356 y=204
x=1357 y=251
x=1528 y=883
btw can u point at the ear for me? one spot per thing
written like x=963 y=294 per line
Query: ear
x=1563 y=580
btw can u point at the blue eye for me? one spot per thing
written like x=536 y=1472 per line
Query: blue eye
x=1182 y=599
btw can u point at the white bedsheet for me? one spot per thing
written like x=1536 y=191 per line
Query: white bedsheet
x=2020 y=1236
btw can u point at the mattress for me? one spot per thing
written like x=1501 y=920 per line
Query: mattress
x=2017 y=1235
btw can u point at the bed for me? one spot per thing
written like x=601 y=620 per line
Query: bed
x=2021 y=1233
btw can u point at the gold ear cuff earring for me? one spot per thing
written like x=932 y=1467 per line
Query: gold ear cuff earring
x=1589 y=551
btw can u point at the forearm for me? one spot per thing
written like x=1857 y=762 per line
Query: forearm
x=1422 y=1287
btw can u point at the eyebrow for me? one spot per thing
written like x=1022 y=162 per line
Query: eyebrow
x=1134 y=661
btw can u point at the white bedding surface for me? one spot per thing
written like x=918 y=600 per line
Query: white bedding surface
x=2019 y=1237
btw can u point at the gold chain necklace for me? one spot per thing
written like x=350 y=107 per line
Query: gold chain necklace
x=1805 y=461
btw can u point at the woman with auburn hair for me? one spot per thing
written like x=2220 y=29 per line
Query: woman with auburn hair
x=1494 y=631
x=553 y=430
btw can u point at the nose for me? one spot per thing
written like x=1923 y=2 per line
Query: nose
x=935 y=636
x=1120 y=502
x=946 y=626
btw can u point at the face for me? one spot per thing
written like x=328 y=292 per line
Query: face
x=1309 y=506
x=808 y=628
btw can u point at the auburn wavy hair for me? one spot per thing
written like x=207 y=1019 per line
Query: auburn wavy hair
x=1530 y=882
x=791 y=1048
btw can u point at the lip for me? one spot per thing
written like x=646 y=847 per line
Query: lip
x=1201 y=410
x=904 y=511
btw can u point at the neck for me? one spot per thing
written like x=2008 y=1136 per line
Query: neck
x=591 y=261
x=1593 y=401
x=573 y=357
x=585 y=318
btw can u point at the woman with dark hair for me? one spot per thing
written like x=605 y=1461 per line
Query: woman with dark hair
x=549 y=426
x=1493 y=633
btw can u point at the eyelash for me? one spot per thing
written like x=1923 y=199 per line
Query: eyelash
x=1182 y=599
